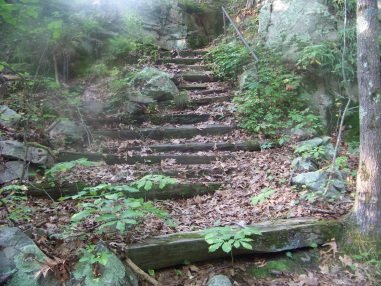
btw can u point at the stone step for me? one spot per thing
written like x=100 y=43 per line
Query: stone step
x=183 y=53
x=156 y=119
x=185 y=61
x=159 y=133
x=209 y=100
x=277 y=236
x=111 y=159
x=252 y=145
x=176 y=191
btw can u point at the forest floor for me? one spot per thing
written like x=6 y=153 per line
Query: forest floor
x=242 y=175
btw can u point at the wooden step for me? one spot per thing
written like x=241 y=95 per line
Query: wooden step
x=192 y=76
x=198 y=147
x=111 y=159
x=183 y=53
x=185 y=61
x=159 y=133
x=176 y=191
x=194 y=68
x=211 y=91
x=156 y=119
x=210 y=99
x=277 y=236
x=193 y=86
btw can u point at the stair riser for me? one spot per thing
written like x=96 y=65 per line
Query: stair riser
x=185 y=61
x=198 y=147
x=177 y=191
x=168 y=133
x=182 y=119
x=174 y=54
x=149 y=159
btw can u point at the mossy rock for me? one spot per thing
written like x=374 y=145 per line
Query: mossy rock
x=295 y=262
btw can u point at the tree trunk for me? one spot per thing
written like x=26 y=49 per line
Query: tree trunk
x=368 y=200
x=249 y=4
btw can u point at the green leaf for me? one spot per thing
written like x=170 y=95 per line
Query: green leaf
x=246 y=245
x=103 y=259
x=121 y=226
x=214 y=247
x=264 y=195
x=81 y=215
x=148 y=185
x=105 y=217
x=236 y=244
x=226 y=247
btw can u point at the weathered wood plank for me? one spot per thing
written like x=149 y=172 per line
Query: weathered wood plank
x=156 y=119
x=186 y=61
x=111 y=159
x=176 y=191
x=210 y=99
x=160 y=133
x=193 y=86
x=184 y=53
x=192 y=76
x=198 y=147
x=277 y=236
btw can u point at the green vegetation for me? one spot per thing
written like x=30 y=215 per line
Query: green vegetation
x=227 y=238
x=228 y=59
x=265 y=194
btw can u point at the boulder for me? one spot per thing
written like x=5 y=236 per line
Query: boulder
x=248 y=77
x=155 y=84
x=318 y=180
x=114 y=273
x=21 y=259
x=8 y=117
x=288 y=25
x=162 y=21
x=12 y=170
x=66 y=131
x=320 y=141
x=219 y=280
x=301 y=164
x=18 y=150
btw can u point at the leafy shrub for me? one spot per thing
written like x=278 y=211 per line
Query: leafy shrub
x=14 y=198
x=59 y=168
x=228 y=59
x=227 y=238
x=266 y=104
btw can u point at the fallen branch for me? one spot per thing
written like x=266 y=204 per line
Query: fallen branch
x=140 y=272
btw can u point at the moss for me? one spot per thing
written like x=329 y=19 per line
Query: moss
x=298 y=262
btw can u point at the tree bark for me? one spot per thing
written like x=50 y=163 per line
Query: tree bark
x=368 y=199
x=249 y=4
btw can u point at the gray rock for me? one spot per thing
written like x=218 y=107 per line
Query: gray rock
x=301 y=164
x=12 y=170
x=64 y=131
x=114 y=273
x=249 y=76
x=302 y=133
x=286 y=24
x=219 y=280
x=8 y=117
x=156 y=84
x=320 y=141
x=318 y=180
x=162 y=21
x=18 y=150
x=21 y=259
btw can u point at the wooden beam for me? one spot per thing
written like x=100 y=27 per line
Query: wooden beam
x=277 y=236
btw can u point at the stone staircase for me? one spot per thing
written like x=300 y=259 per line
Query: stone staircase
x=201 y=146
